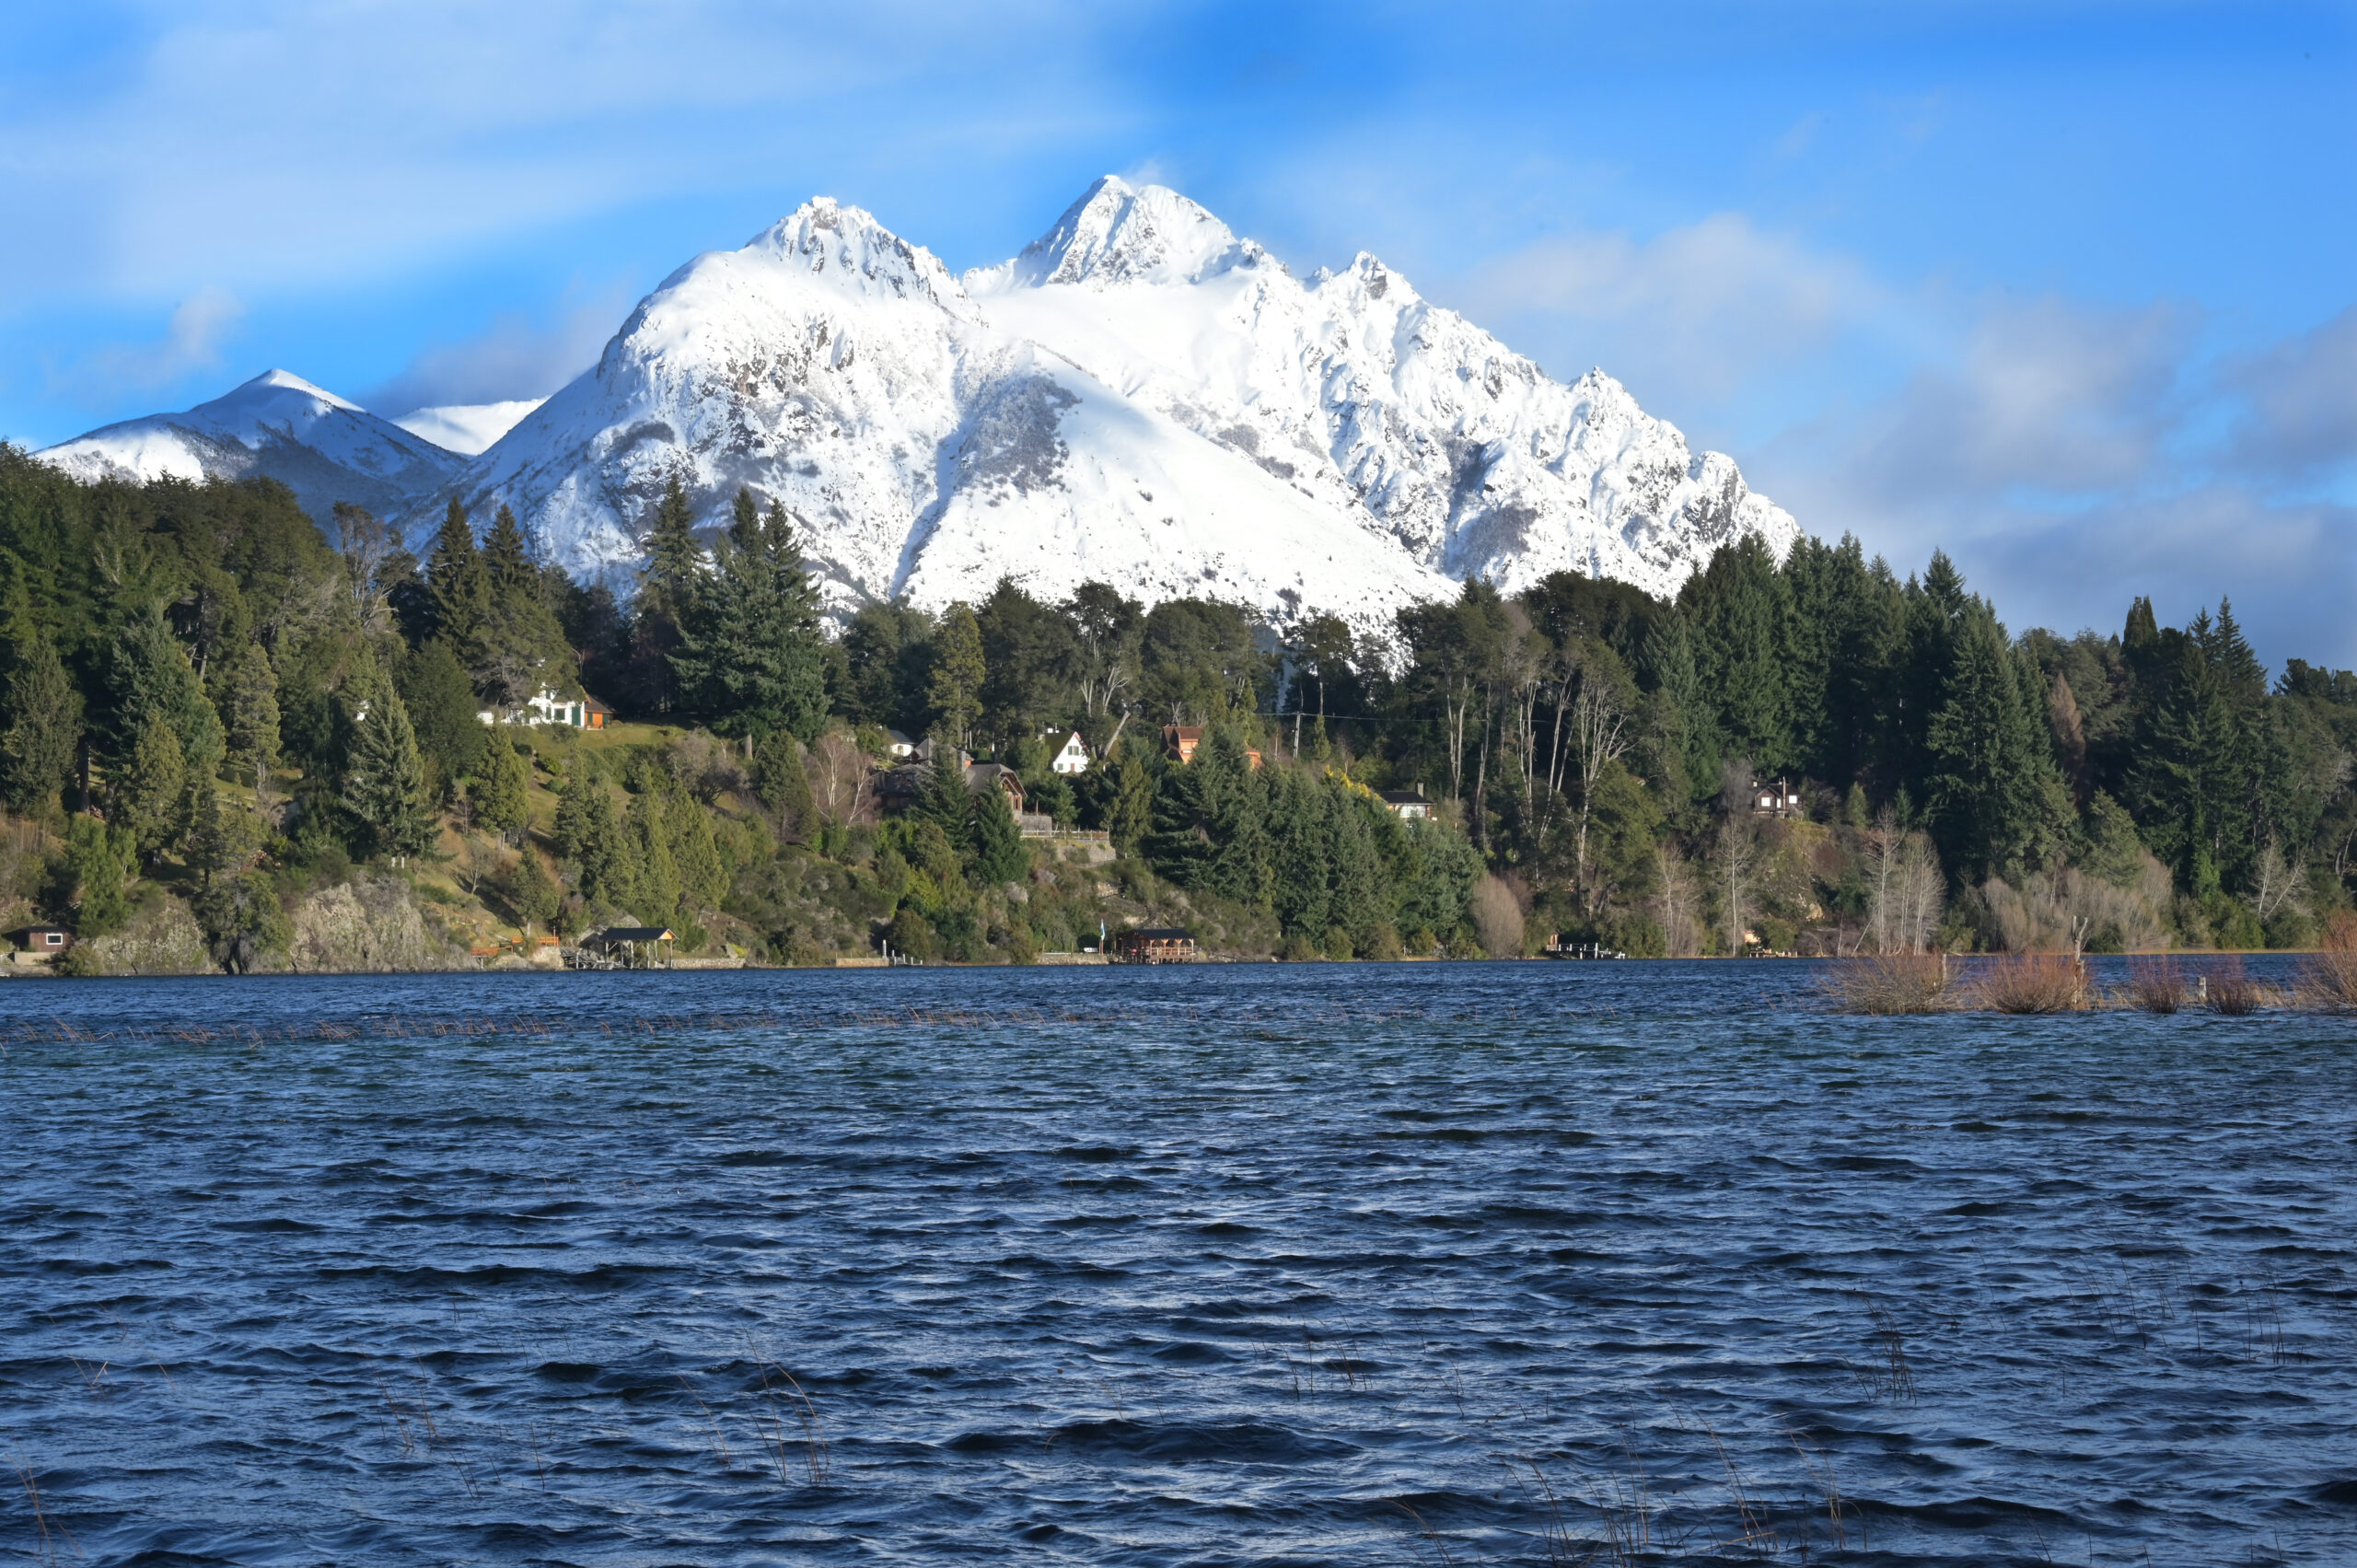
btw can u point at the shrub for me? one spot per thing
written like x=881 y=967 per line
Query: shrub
x=2154 y=985
x=2328 y=979
x=2226 y=989
x=2029 y=983
x=1891 y=984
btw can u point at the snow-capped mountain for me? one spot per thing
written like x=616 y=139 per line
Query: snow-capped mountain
x=467 y=428
x=1140 y=397
x=278 y=426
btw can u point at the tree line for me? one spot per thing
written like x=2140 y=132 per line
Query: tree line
x=201 y=690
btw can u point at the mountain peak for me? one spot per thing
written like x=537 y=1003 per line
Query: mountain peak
x=1119 y=233
x=845 y=246
x=264 y=388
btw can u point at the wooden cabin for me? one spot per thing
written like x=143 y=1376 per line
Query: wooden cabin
x=1154 y=945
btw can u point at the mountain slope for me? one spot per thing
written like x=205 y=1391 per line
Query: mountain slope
x=279 y=426
x=1140 y=396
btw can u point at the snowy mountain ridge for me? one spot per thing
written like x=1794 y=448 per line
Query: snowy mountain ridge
x=1139 y=396
x=322 y=448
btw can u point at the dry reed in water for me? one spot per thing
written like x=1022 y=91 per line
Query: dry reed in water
x=2328 y=979
x=2154 y=985
x=1891 y=984
x=2030 y=982
x=2227 y=988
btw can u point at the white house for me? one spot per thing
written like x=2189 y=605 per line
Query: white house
x=899 y=745
x=545 y=707
x=1073 y=757
x=1408 y=805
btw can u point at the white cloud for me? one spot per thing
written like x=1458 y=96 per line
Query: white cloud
x=513 y=358
x=1695 y=314
x=192 y=341
x=2301 y=397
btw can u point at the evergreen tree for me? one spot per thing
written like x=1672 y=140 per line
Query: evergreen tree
x=501 y=796
x=945 y=802
x=249 y=687
x=1358 y=899
x=242 y=922
x=147 y=674
x=782 y=782
x=1129 y=816
x=44 y=725
x=1301 y=855
x=750 y=657
x=2187 y=784
x=521 y=647
x=670 y=583
x=1994 y=790
x=1742 y=638
x=703 y=879
x=1681 y=715
x=150 y=785
x=576 y=829
x=457 y=585
x=955 y=691
x=384 y=790
x=655 y=883
x=95 y=858
x=998 y=853
x=533 y=898
x=443 y=712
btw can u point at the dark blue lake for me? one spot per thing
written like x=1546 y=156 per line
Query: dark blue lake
x=1308 y=1264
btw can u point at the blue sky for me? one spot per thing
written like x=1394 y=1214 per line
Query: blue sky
x=2069 y=289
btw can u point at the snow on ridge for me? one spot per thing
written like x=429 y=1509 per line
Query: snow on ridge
x=467 y=428
x=1140 y=396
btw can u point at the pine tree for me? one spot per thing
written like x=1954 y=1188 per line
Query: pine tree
x=1358 y=901
x=655 y=885
x=576 y=827
x=444 y=714
x=1993 y=788
x=1301 y=855
x=150 y=786
x=251 y=687
x=94 y=862
x=704 y=880
x=147 y=673
x=519 y=648
x=1129 y=816
x=674 y=573
x=44 y=725
x=945 y=802
x=501 y=796
x=998 y=853
x=384 y=791
x=750 y=656
x=531 y=896
x=955 y=691
x=457 y=585
x=782 y=782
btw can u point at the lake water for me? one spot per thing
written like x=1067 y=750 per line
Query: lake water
x=1426 y=1263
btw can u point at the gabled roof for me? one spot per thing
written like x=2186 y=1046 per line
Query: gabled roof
x=634 y=933
x=1404 y=798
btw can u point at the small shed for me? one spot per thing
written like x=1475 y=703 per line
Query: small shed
x=1154 y=945
x=41 y=941
x=631 y=946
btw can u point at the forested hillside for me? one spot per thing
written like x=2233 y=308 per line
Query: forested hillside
x=227 y=741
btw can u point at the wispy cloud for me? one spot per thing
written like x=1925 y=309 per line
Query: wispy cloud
x=192 y=341
x=515 y=357
x=1699 y=312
